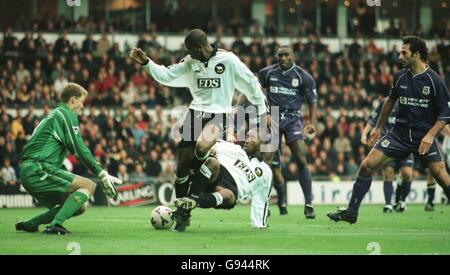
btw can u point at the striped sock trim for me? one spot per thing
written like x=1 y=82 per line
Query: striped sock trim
x=204 y=157
x=181 y=180
x=219 y=198
x=205 y=171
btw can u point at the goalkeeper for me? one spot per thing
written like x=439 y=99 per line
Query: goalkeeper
x=63 y=193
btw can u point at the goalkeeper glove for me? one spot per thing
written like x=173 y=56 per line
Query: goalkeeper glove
x=108 y=183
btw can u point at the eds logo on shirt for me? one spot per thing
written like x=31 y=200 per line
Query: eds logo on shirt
x=208 y=83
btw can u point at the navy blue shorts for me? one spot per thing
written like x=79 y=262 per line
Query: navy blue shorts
x=395 y=144
x=291 y=126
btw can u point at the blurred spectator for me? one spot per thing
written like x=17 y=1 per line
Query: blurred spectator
x=8 y=174
x=122 y=173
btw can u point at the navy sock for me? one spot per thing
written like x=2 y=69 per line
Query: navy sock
x=447 y=192
x=406 y=187
x=360 y=188
x=398 y=192
x=182 y=186
x=304 y=177
x=430 y=191
x=206 y=200
x=281 y=193
x=199 y=182
x=388 y=189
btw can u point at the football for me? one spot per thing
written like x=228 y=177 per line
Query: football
x=161 y=217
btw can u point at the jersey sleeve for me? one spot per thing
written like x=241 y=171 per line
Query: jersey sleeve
x=375 y=115
x=248 y=84
x=260 y=197
x=442 y=100
x=309 y=87
x=176 y=75
x=72 y=139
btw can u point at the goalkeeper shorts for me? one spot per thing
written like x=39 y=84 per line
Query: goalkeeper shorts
x=45 y=182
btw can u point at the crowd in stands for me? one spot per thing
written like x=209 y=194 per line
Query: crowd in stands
x=360 y=20
x=123 y=135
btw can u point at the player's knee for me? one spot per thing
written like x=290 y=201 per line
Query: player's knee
x=229 y=200
x=277 y=176
x=366 y=168
x=213 y=165
x=201 y=148
x=407 y=176
x=389 y=174
x=89 y=185
x=301 y=162
x=437 y=169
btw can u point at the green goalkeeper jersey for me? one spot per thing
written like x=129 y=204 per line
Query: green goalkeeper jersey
x=56 y=135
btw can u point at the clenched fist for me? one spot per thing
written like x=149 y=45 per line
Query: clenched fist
x=139 y=56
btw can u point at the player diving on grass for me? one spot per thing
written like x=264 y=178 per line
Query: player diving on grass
x=288 y=86
x=232 y=173
x=424 y=109
x=63 y=193
x=405 y=166
x=212 y=75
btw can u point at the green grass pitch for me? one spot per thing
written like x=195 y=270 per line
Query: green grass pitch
x=128 y=231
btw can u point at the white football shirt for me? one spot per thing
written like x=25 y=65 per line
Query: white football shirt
x=253 y=179
x=212 y=84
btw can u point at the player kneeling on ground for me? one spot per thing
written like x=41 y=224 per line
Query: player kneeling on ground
x=233 y=173
x=63 y=193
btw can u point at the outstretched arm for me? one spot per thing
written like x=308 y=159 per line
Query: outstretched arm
x=176 y=75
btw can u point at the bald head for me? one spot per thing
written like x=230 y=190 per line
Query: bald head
x=285 y=49
x=197 y=45
x=195 y=38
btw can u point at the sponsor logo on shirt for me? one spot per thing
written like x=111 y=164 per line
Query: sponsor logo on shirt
x=404 y=87
x=385 y=143
x=247 y=171
x=426 y=90
x=220 y=68
x=273 y=79
x=283 y=90
x=416 y=102
x=208 y=83
x=258 y=171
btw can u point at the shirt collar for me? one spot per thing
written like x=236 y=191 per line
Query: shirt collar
x=64 y=106
x=214 y=52
x=414 y=75
x=283 y=71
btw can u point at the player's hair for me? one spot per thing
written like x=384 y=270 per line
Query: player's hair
x=70 y=90
x=416 y=44
x=196 y=37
